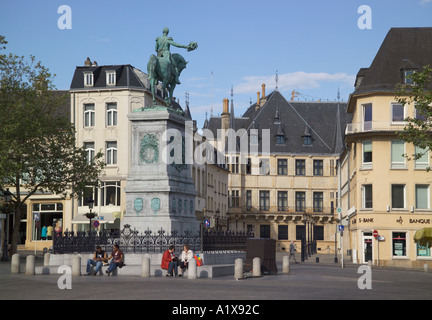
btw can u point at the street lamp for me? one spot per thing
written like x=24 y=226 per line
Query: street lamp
x=90 y=215
x=7 y=195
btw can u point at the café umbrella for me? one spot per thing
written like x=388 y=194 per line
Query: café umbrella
x=423 y=237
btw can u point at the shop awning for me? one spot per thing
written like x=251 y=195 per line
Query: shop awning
x=424 y=237
x=102 y=218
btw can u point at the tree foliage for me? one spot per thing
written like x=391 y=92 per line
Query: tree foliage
x=419 y=93
x=38 y=152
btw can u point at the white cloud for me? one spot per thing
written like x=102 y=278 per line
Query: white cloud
x=296 y=80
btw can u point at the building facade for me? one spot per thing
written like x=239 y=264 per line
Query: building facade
x=381 y=190
x=288 y=188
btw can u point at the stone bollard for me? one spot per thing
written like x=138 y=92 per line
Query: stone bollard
x=76 y=266
x=192 y=269
x=238 y=269
x=256 y=267
x=46 y=259
x=286 y=265
x=30 y=265
x=15 y=263
x=145 y=269
x=426 y=267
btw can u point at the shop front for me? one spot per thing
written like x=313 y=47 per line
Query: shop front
x=387 y=239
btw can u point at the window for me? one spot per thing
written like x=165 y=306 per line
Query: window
x=50 y=214
x=399 y=244
x=398 y=113
x=318 y=201
x=367 y=154
x=254 y=136
x=423 y=251
x=307 y=140
x=300 y=201
x=111 y=78
x=264 y=166
x=422 y=162
x=89 y=115
x=264 y=200
x=367 y=117
x=110 y=193
x=318 y=232
x=318 y=167
x=265 y=231
x=419 y=115
x=111 y=114
x=282 y=200
x=367 y=196
x=398 y=196
x=300 y=232
x=397 y=154
x=89 y=193
x=88 y=79
x=249 y=166
x=300 y=167
x=248 y=200
x=280 y=139
x=235 y=198
x=407 y=76
x=282 y=166
x=111 y=152
x=89 y=148
x=422 y=196
x=282 y=232
x=234 y=164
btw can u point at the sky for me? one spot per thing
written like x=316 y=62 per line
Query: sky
x=315 y=47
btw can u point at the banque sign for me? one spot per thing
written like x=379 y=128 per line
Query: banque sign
x=400 y=220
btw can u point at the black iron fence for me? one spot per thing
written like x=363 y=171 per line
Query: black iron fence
x=132 y=241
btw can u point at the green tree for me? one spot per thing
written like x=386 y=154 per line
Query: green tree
x=418 y=129
x=38 y=151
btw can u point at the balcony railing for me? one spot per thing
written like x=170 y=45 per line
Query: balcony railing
x=284 y=210
x=368 y=126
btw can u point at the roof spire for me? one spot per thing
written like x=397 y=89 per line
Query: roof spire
x=276 y=80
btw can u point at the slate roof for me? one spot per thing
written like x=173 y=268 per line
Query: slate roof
x=325 y=122
x=402 y=48
x=127 y=77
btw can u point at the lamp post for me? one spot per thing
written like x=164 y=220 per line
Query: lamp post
x=7 y=198
x=90 y=215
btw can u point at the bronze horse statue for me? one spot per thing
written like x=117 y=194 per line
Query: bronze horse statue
x=161 y=69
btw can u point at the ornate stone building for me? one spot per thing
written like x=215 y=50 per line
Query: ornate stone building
x=288 y=188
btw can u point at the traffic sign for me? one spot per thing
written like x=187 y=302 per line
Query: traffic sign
x=341 y=227
x=96 y=224
x=375 y=233
x=36 y=216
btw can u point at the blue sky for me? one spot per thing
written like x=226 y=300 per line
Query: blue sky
x=316 y=46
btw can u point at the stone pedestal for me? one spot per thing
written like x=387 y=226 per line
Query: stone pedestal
x=160 y=193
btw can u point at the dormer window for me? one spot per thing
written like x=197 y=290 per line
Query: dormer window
x=88 y=79
x=307 y=136
x=280 y=139
x=407 y=73
x=111 y=78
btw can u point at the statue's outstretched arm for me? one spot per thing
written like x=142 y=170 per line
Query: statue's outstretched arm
x=175 y=44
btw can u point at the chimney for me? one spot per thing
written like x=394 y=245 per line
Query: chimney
x=88 y=63
x=258 y=101
x=263 y=90
x=225 y=114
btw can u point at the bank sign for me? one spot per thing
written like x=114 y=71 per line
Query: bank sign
x=401 y=220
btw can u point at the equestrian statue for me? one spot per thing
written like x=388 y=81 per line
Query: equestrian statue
x=166 y=67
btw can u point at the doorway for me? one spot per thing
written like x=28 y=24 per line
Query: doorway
x=367 y=247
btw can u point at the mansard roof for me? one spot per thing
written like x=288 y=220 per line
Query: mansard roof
x=402 y=48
